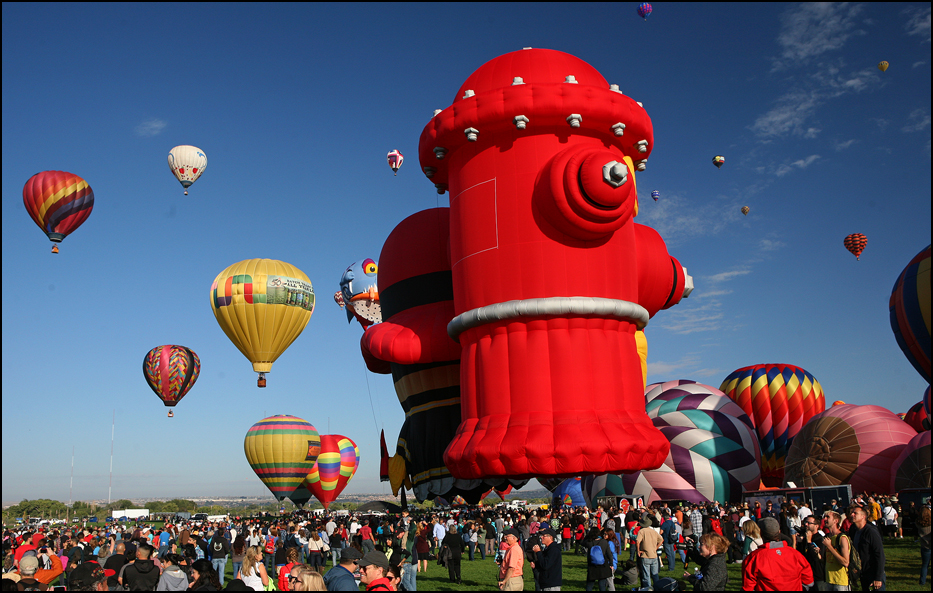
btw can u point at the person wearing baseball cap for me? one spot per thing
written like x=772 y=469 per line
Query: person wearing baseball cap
x=548 y=561
x=373 y=568
x=340 y=577
x=510 y=571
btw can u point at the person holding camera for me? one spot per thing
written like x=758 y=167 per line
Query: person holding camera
x=809 y=543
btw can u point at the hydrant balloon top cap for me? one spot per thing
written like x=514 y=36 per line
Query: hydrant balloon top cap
x=533 y=66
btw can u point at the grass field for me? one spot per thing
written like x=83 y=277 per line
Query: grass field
x=902 y=557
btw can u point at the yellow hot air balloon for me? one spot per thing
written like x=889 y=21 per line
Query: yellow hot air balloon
x=746 y=210
x=262 y=305
x=282 y=450
x=883 y=66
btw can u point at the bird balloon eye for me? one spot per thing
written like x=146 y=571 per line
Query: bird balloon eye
x=370 y=267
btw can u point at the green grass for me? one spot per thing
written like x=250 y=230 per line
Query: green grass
x=902 y=556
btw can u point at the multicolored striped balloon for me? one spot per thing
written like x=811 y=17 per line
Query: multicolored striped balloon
x=714 y=451
x=569 y=492
x=779 y=399
x=848 y=444
x=171 y=372
x=58 y=202
x=335 y=467
x=282 y=450
x=910 y=312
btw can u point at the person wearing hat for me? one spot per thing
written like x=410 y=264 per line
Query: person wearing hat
x=510 y=571
x=775 y=566
x=548 y=561
x=374 y=567
x=647 y=544
x=340 y=577
x=88 y=576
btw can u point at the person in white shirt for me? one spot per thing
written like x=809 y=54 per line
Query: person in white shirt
x=330 y=527
x=354 y=527
x=803 y=513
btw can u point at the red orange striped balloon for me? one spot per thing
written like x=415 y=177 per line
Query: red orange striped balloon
x=58 y=202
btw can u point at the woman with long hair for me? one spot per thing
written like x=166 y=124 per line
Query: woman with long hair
x=253 y=573
x=204 y=577
x=923 y=528
x=293 y=555
x=422 y=547
x=238 y=553
x=316 y=551
x=302 y=578
x=752 y=538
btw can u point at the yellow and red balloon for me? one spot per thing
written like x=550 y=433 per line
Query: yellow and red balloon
x=58 y=202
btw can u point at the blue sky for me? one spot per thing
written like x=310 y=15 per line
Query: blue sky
x=296 y=107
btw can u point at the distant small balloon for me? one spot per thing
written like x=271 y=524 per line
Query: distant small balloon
x=644 y=10
x=719 y=161
x=655 y=194
x=883 y=66
x=395 y=160
x=745 y=210
x=855 y=243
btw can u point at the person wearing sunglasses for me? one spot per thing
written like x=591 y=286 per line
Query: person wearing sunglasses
x=810 y=544
x=374 y=568
x=340 y=577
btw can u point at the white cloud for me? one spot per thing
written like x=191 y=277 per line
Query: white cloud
x=724 y=276
x=811 y=29
x=811 y=132
x=678 y=218
x=666 y=368
x=843 y=145
x=150 y=127
x=801 y=164
x=918 y=64
x=917 y=120
x=919 y=23
x=788 y=116
x=769 y=245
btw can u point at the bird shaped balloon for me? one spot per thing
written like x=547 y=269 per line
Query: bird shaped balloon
x=187 y=164
x=171 y=372
x=58 y=202
x=282 y=450
x=262 y=305
x=359 y=292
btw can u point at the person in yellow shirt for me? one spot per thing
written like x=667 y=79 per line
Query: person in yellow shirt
x=836 y=550
x=875 y=510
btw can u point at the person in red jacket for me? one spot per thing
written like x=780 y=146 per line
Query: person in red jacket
x=775 y=566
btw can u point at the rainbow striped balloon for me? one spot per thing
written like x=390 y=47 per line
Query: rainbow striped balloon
x=335 y=467
x=282 y=450
x=779 y=399
x=58 y=202
x=910 y=312
x=171 y=371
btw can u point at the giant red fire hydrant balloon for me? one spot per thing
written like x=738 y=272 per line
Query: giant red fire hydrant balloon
x=551 y=276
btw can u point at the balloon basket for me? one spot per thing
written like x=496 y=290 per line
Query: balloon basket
x=54 y=248
x=261 y=382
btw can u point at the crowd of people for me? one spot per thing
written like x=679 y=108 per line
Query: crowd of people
x=782 y=546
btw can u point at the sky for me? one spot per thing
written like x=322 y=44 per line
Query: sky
x=296 y=107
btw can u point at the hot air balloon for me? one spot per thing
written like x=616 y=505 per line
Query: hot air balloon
x=839 y=402
x=644 y=10
x=847 y=445
x=926 y=401
x=187 y=164
x=883 y=66
x=569 y=493
x=395 y=160
x=714 y=450
x=745 y=210
x=282 y=450
x=262 y=305
x=58 y=202
x=655 y=194
x=912 y=466
x=779 y=399
x=359 y=292
x=909 y=308
x=855 y=243
x=917 y=417
x=171 y=372
x=336 y=466
x=719 y=160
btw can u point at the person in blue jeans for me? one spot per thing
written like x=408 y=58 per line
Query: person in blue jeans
x=669 y=535
x=923 y=530
x=409 y=576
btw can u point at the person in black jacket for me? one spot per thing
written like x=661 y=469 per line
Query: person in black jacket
x=867 y=541
x=548 y=561
x=600 y=574
x=713 y=574
x=454 y=543
x=219 y=550
x=143 y=574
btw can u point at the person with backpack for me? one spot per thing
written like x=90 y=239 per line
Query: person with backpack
x=866 y=539
x=220 y=549
x=837 y=554
x=269 y=550
x=598 y=564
